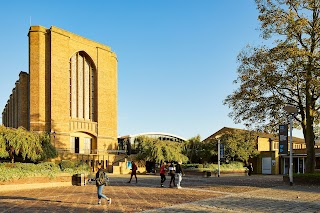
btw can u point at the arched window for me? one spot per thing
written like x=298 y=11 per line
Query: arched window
x=82 y=87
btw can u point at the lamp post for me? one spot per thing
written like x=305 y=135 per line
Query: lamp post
x=291 y=111
x=219 y=157
x=218 y=138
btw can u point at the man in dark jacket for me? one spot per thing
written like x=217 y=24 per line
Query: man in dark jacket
x=101 y=184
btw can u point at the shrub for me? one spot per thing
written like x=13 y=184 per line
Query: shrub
x=74 y=166
x=67 y=164
x=10 y=171
x=231 y=167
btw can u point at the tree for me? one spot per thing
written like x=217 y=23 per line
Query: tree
x=197 y=151
x=191 y=149
x=48 y=150
x=286 y=74
x=151 y=149
x=239 y=145
x=30 y=145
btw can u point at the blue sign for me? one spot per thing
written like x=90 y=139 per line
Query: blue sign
x=129 y=165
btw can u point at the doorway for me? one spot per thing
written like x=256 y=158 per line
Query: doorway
x=76 y=145
x=266 y=166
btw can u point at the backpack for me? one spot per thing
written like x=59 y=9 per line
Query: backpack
x=102 y=179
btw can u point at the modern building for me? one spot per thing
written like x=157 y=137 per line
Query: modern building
x=270 y=161
x=70 y=92
x=157 y=135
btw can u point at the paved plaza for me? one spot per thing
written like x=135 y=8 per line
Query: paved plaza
x=228 y=193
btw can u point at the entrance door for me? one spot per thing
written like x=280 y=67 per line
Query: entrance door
x=266 y=166
x=87 y=146
x=76 y=145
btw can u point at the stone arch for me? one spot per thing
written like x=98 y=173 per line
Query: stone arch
x=82 y=142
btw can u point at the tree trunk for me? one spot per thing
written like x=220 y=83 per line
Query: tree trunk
x=309 y=136
x=309 y=140
x=11 y=154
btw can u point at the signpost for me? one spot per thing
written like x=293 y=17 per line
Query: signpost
x=222 y=157
x=283 y=139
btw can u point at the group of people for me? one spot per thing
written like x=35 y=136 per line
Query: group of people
x=172 y=171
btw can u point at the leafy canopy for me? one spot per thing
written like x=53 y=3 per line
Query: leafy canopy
x=151 y=149
x=197 y=151
x=239 y=145
x=29 y=145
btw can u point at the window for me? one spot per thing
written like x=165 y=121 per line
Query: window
x=82 y=84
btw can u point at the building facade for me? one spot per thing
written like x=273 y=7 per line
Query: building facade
x=269 y=160
x=69 y=92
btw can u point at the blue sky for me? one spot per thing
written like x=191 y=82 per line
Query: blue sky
x=177 y=59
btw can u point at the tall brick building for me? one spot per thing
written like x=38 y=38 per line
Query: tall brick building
x=69 y=92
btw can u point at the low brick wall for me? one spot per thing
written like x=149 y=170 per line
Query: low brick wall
x=36 y=182
x=40 y=179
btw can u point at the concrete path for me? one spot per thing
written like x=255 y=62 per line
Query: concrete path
x=224 y=194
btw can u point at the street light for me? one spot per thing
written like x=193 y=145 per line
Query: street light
x=291 y=111
x=218 y=156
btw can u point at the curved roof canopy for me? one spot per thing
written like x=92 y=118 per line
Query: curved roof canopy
x=160 y=135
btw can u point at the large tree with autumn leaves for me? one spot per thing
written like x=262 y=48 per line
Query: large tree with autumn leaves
x=285 y=73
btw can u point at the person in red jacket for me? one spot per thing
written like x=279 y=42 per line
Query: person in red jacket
x=134 y=171
x=163 y=173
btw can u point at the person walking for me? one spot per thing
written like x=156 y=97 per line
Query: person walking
x=163 y=173
x=180 y=172
x=101 y=181
x=134 y=171
x=172 y=172
x=250 y=169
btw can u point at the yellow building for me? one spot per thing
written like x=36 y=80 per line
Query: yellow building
x=69 y=92
x=269 y=161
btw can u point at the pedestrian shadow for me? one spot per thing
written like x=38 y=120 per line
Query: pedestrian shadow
x=200 y=181
x=37 y=199
x=196 y=181
x=14 y=204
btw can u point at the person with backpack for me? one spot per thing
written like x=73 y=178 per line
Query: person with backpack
x=134 y=169
x=101 y=181
x=180 y=172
